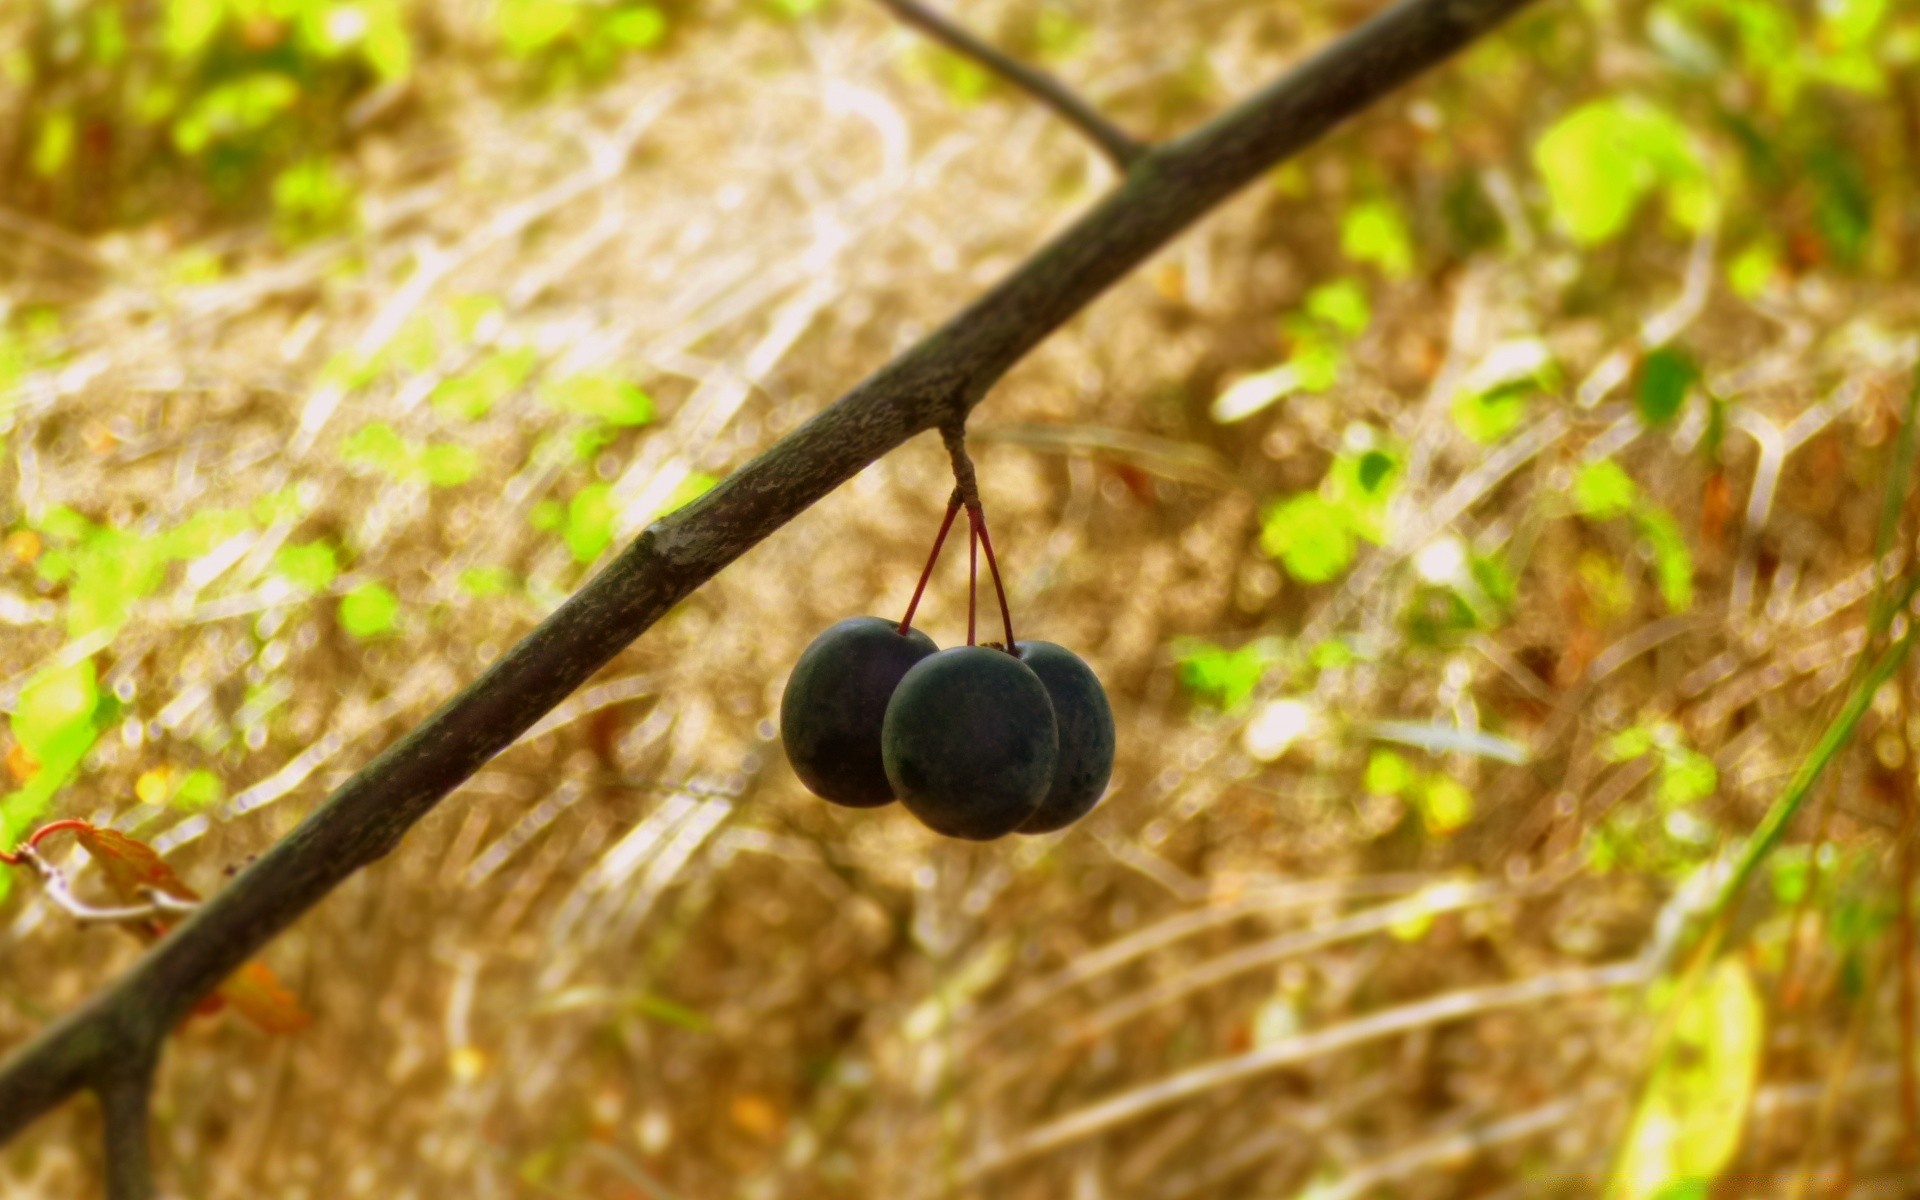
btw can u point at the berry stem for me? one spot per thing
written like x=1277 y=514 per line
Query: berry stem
x=966 y=490
x=913 y=605
x=993 y=567
x=973 y=564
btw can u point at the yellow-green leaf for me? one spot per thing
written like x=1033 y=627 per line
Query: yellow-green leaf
x=1690 y=1118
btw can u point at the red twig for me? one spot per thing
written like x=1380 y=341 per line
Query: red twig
x=20 y=856
x=913 y=606
x=40 y=834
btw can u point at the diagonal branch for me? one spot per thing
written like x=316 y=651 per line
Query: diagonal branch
x=936 y=382
x=125 y=1098
x=1114 y=142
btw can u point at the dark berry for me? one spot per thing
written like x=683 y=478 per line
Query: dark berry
x=835 y=702
x=969 y=742
x=1085 y=723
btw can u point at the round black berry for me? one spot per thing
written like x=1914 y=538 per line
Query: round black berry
x=1085 y=723
x=969 y=742
x=835 y=702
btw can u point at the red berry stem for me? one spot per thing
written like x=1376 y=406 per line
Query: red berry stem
x=913 y=606
x=973 y=565
x=993 y=566
x=967 y=490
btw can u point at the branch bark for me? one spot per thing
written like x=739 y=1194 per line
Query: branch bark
x=936 y=382
x=125 y=1096
x=1119 y=147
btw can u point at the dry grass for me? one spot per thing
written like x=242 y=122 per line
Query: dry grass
x=633 y=958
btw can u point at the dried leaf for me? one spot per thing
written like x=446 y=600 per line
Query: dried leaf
x=259 y=996
x=131 y=866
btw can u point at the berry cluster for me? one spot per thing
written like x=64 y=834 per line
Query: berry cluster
x=977 y=741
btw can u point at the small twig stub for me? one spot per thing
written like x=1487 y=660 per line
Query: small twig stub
x=1120 y=147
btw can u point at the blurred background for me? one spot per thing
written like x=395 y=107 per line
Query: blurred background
x=1475 y=524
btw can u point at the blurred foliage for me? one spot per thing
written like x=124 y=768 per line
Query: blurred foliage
x=1441 y=541
x=120 y=113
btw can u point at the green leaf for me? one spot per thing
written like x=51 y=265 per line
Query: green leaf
x=448 y=465
x=56 y=720
x=1225 y=677
x=472 y=395
x=1445 y=805
x=203 y=531
x=379 y=445
x=1602 y=491
x=190 y=25
x=64 y=524
x=1388 y=774
x=1310 y=535
x=369 y=611
x=310 y=197
x=440 y=464
x=54 y=714
x=1753 y=270
x=199 y=789
x=1316 y=362
x=415 y=345
x=233 y=111
x=526 y=27
x=309 y=566
x=1672 y=560
x=1630 y=743
x=111 y=572
x=474 y=310
x=1686 y=776
x=1689 y=1120
x=637 y=28
x=603 y=397
x=1332 y=654
x=1341 y=304
x=482 y=582
x=1375 y=232
x=1843 y=211
x=53 y=148
x=590 y=516
x=1488 y=416
x=588 y=443
x=964 y=81
x=1665 y=376
x=1361 y=485
x=349 y=371
x=1601 y=160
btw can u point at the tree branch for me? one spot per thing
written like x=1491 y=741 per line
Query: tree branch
x=936 y=382
x=124 y=1099
x=1113 y=141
